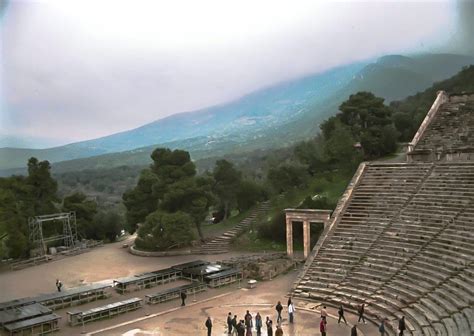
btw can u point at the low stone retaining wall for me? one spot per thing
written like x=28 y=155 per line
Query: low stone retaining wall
x=133 y=250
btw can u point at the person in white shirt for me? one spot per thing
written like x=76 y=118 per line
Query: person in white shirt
x=291 y=311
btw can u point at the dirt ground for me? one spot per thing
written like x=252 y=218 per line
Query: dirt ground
x=101 y=264
x=111 y=261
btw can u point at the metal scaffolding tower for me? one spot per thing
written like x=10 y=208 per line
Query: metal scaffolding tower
x=69 y=235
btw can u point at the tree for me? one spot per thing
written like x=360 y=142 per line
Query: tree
x=85 y=210
x=108 y=225
x=142 y=200
x=163 y=230
x=13 y=223
x=43 y=187
x=366 y=118
x=311 y=153
x=169 y=186
x=248 y=194
x=287 y=176
x=226 y=181
x=339 y=147
x=192 y=196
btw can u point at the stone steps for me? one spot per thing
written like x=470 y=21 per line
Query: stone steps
x=412 y=257
x=221 y=244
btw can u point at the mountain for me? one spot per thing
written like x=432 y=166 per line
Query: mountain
x=271 y=117
x=249 y=114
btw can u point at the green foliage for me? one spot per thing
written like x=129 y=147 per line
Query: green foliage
x=287 y=176
x=43 y=187
x=85 y=210
x=311 y=153
x=163 y=230
x=248 y=194
x=108 y=225
x=365 y=119
x=318 y=202
x=411 y=111
x=142 y=200
x=226 y=182
x=169 y=186
x=192 y=196
x=22 y=197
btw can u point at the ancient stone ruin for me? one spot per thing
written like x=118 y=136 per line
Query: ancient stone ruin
x=401 y=239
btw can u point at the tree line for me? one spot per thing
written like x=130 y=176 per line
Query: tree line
x=36 y=194
x=170 y=201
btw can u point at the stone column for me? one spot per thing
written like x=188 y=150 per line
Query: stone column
x=289 y=237
x=306 y=238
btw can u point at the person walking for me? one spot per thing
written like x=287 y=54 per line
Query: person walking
x=401 y=326
x=323 y=326
x=234 y=325
x=360 y=310
x=291 y=311
x=269 y=325
x=279 y=308
x=229 y=323
x=183 y=298
x=209 y=326
x=382 y=328
x=354 y=331
x=59 y=285
x=341 y=315
x=279 y=331
x=258 y=324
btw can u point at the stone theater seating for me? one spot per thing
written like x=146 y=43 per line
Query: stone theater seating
x=404 y=240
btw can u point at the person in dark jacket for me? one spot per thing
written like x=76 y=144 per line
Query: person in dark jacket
x=229 y=323
x=341 y=315
x=234 y=325
x=241 y=328
x=269 y=325
x=401 y=326
x=279 y=308
x=209 y=326
x=183 y=298
x=361 y=310
x=248 y=322
x=258 y=324
x=382 y=328
x=354 y=331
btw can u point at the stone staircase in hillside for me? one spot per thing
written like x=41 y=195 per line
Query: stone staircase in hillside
x=221 y=244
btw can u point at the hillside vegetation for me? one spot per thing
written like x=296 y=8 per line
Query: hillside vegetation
x=270 y=118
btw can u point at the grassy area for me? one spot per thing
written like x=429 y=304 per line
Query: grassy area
x=330 y=185
x=252 y=243
x=210 y=230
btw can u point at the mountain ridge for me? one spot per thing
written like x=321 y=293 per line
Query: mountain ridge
x=277 y=115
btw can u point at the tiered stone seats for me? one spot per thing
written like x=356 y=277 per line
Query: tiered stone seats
x=450 y=131
x=403 y=245
x=377 y=200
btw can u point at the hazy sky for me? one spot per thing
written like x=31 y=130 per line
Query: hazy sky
x=74 y=70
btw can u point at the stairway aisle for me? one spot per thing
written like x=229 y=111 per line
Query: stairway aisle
x=221 y=244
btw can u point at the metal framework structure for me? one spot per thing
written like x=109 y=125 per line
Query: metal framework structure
x=69 y=235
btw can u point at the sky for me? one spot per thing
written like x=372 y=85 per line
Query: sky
x=76 y=70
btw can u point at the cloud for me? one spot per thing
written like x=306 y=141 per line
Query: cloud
x=81 y=70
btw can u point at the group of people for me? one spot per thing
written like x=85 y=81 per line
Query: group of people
x=244 y=327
